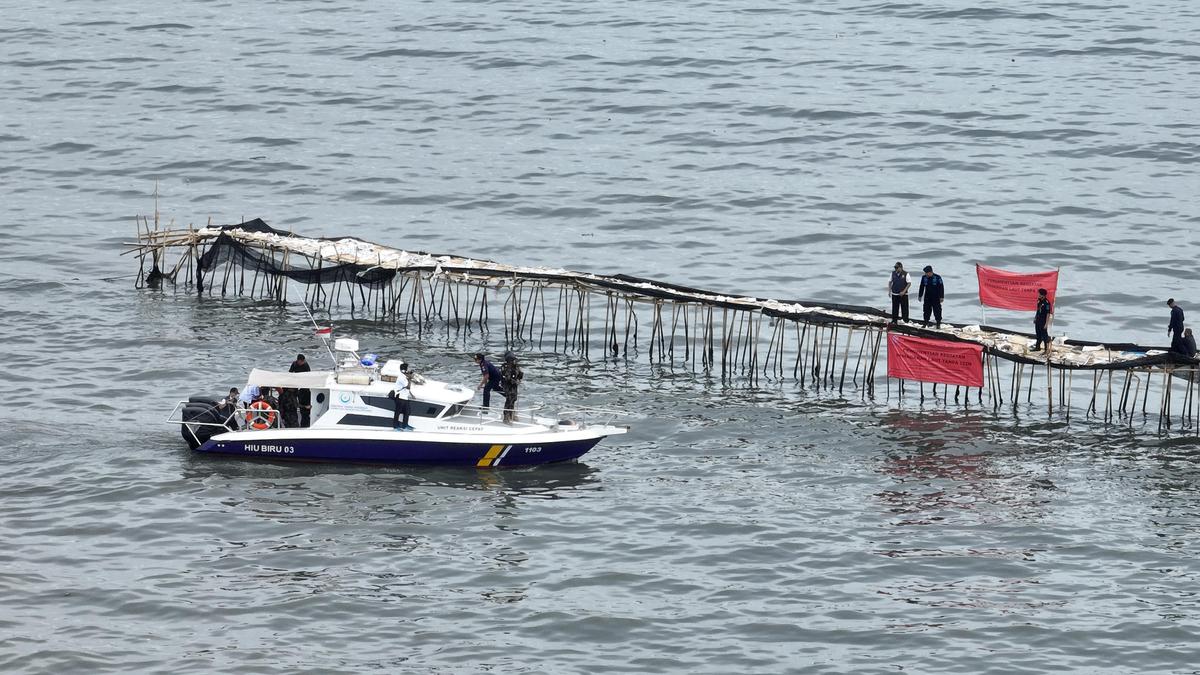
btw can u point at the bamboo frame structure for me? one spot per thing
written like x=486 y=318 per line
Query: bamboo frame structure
x=605 y=316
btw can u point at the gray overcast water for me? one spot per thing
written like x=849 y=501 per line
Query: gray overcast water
x=789 y=150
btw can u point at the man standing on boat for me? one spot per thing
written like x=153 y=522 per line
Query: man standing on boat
x=932 y=292
x=400 y=396
x=898 y=287
x=490 y=381
x=299 y=365
x=511 y=376
x=303 y=396
x=1175 y=328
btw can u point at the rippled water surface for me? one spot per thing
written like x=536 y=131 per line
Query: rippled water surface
x=780 y=150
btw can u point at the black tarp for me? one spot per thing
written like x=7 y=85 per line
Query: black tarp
x=226 y=249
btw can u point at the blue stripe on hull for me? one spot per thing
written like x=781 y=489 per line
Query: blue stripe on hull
x=402 y=451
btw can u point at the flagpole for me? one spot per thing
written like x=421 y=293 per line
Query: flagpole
x=1050 y=322
x=317 y=330
x=979 y=293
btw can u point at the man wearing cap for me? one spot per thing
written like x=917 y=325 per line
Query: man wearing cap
x=1041 y=321
x=490 y=380
x=931 y=292
x=1175 y=328
x=898 y=287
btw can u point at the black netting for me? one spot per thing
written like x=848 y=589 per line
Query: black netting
x=226 y=249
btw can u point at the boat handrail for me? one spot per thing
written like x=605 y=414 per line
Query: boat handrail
x=238 y=411
x=523 y=415
x=530 y=414
x=181 y=404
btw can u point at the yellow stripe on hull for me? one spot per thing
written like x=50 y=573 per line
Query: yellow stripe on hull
x=491 y=455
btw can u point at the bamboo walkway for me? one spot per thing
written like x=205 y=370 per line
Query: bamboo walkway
x=820 y=345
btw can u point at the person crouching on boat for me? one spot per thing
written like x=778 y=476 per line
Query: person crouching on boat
x=227 y=407
x=400 y=396
x=510 y=376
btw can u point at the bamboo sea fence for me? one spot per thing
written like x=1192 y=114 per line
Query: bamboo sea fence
x=823 y=347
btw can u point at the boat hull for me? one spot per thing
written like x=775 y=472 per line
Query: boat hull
x=392 y=447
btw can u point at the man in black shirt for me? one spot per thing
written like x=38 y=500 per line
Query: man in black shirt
x=299 y=365
x=303 y=396
x=1175 y=327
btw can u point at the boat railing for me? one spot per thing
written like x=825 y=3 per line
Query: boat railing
x=238 y=413
x=176 y=416
x=542 y=415
x=520 y=415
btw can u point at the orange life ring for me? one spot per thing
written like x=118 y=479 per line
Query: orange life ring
x=261 y=415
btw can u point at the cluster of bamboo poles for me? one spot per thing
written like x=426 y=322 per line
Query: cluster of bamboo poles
x=574 y=316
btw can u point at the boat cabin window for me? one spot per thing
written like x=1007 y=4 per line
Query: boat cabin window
x=416 y=408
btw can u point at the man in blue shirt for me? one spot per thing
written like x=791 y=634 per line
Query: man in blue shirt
x=931 y=292
x=490 y=381
x=1175 y=328
x=1041 y=320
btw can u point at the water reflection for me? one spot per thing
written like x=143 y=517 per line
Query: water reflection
x=367 y=531
x=937 y=474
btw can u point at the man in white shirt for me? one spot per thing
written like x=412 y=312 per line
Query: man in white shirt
x=400 y=397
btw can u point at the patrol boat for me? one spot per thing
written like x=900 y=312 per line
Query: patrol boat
x=352 y=422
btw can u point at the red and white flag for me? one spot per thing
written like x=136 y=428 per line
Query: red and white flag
x=324 y=333
x=1014 y=290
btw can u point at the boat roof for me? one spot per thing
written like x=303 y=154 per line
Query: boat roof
x=316 y=379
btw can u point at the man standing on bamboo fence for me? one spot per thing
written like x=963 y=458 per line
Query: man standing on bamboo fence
x=898 y=287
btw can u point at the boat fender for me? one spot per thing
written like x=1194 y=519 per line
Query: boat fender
x=260 y=415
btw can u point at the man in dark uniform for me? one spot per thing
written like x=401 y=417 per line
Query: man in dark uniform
x=1041 y=321
x=289 y=406
x=1175 y=328
x=932 y=291
x=490 y=380
x=303 y=396
x=511 y=375
x=898 y=287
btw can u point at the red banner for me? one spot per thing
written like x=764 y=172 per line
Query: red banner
x=929 y=360
x=1013 y=290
